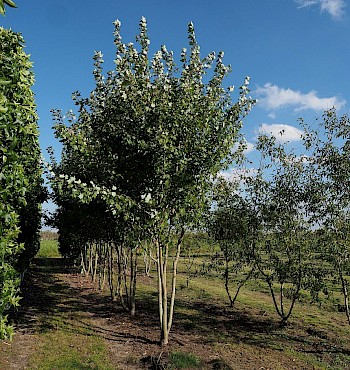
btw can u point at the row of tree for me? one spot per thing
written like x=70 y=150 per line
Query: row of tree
x=287 y=222
x=139 y=168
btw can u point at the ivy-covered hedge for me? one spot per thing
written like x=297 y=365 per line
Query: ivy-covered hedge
x=21 y=189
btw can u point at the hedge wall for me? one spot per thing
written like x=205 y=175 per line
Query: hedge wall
x=21 y=187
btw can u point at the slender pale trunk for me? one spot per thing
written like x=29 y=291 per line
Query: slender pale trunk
x=345 y=293
x=240 y=286
x=281 y=299
x=102 y=273
x=165 y=314
x=90 y=260
x=111 y=271
x=227 y=278
x=160 y=298
x=133 y=274
x=95 y=264
x=82 y=258
x=173 y=288
x=147 y=259
x=163 y=257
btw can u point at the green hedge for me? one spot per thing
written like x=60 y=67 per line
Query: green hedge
x=21 y=189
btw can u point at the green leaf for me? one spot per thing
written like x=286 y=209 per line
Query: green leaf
x=4 y=82
x=10 y=3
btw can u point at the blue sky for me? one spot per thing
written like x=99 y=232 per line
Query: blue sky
x=296 y=52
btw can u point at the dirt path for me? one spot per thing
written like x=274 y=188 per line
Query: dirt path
x=61 y=300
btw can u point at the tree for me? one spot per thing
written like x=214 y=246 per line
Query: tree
x=148 y=142
x=330 y=203
x=231 y=224
x=283 y=251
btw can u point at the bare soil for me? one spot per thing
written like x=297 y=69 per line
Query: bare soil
x=59 y=298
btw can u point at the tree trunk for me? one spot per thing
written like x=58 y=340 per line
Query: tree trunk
x=165 y=317
x=82 y=259
x=345 y=294
x=95 y=264
x=133 y=275
x=111 y=271
x=173 y=287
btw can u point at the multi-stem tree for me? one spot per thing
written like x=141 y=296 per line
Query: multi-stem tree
x=148 y=142
x=330 y=204
x=231 y=223
x=279 y=192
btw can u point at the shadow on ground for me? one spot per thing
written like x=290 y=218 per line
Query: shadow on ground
x=55 y=297
x=50 y=303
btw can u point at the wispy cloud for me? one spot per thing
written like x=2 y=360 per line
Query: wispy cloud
x=281 y=132
x=249 y=147
x=333 y=7
x=237 y=174
x=273 y=97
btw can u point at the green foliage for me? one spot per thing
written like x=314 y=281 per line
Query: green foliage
x=230 y=223
x=21 y=191
x=180 y=360
x=139 y=160
x=330 y=202
x=149 y=136
x=283 y=245
x=6 y=2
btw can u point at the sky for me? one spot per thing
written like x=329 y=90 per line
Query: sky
x=297 y=52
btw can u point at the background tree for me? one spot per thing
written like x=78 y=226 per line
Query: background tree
x=283 y=250
x=231 y=224
x=330 y=152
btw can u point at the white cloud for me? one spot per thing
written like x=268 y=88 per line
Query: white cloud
x=281 y=132
x=273 y=97
x=334 y=7
x=249 y=147
x=237 y=174
x=272 y=115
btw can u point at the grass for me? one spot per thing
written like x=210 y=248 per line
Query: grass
x=181 y=360
x=64 y=351
x=48 y=249
x=316 y=337
x=64 y=343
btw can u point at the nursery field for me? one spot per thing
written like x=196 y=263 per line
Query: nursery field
x=64 y=322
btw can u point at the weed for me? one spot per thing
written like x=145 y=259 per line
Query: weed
x=180 y=360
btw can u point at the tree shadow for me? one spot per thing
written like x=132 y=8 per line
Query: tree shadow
x=216 y=323
x=49 y=303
